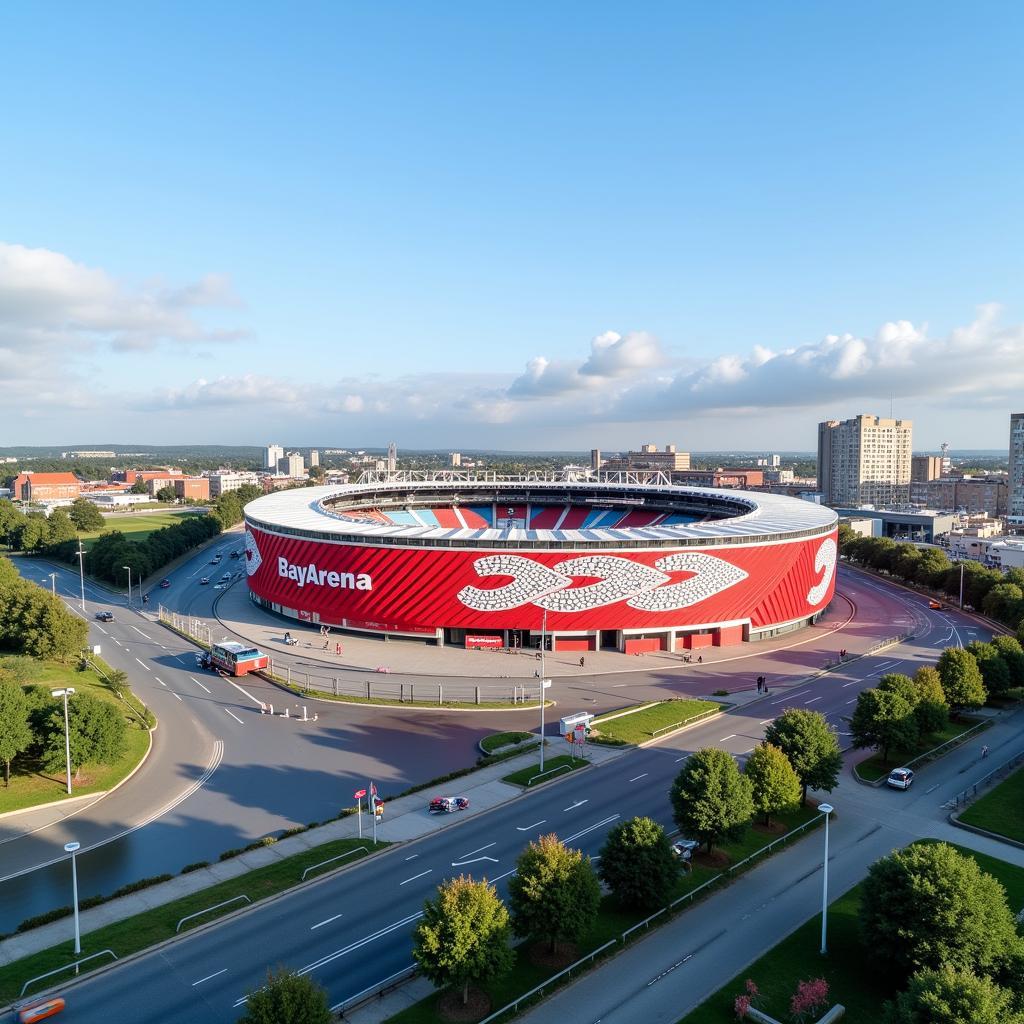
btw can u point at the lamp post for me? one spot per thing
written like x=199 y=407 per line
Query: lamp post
x=53 y=583
x=81 y=574
x=65 y=693
x=825 y=809
x=73 y=848
x=544 y=683
x=129 y=568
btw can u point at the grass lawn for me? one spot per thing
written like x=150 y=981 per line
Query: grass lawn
x=1002 y=810
x=152 y=926
x=872 y=768
x=796 y=958
x=612 y=921
x=557 y=766
x=503 y=739
x=137 y=526
x=638 y=726
x=31 y=786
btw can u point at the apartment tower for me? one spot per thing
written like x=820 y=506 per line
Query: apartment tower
x=864 y=461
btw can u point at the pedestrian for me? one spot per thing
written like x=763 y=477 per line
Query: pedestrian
x=700 y=659
x=581 y=662
x=758 y=684
x=337 y=648
x=984 y=752
x=326 y=644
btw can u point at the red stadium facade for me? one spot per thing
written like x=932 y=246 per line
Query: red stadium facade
x=715 y=580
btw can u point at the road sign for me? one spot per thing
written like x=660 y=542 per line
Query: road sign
x=359 y=794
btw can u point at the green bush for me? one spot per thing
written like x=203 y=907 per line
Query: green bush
x=196 y=866
x=138 y=886
x=228 y=854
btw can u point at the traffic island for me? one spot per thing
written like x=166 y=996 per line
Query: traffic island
x=644 y=723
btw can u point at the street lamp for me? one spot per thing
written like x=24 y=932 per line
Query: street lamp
x=73 y=848
x=53 y=583
x=544 y=683
x=65 y=693
x=129 y=568
x=81 y=575
x=825 y=809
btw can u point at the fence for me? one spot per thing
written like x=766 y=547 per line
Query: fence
x=966 y=795
x=931 y=755
x=380 y=988
x=216 y=906
x=331 y=860
x=711 y=712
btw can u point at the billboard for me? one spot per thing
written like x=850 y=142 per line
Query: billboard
x=418 y=589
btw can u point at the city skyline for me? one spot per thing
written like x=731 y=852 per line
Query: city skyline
x=488 y=228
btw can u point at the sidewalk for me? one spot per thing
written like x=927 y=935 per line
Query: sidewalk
x=404 y=819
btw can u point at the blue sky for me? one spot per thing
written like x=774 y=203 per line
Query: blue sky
x=519 y=226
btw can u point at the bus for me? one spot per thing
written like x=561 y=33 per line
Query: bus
x=236 y=659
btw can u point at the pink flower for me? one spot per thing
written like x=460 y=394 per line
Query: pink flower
x=741 y=1005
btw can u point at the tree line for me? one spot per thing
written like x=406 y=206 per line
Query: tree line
x=35 y=623
x=999 y=595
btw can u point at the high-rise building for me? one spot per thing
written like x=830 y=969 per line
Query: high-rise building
x=392 y=457
x=314 y=458
x=864 y=460
x=221 y=483
x=1017 y=467
x=292 y=464
x=274 y=453
x=595 y=459
x=455 y=459
x=649 y=457
x=924 y=468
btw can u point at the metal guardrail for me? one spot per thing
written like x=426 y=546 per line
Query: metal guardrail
x=377 y=989
x=552 y=771
x=216 y=906
x=67 y=967
x=928 y=755
x=331 y=860
x=770 y=846
x=970 y=792
x=514 y=1005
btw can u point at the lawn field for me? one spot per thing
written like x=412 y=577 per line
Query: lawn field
x=639 y=726
x=1002 y=810
x=137 y=526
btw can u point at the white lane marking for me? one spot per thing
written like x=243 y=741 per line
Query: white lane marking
x=481 y=849
x=105 y=633
x=412 y=857
x=813 y=699
x=850 y=683
x=932 y=790
x=144 y=665
x=683 y=758
x=320 y=924
x=199 y=684
x=118 y=642
x=137 y=630
x=583 y=832
x=178 y=695
x=731 y=736
x=637 y=778
x=854 y=701
x=507 y=873
x=526 y=828
x=258 y=703
x=159 y=680
x=234 y=716
x=766 y=721
x=475 y=860
x=572 y=807
x=790 y=696
x=209 y=976
x=414 y=877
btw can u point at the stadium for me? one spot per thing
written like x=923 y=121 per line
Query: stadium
x=578 y=565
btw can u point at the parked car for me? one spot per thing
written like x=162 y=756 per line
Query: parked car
x=684 y=848
x=105 y=616
x=448 y=804
x=937 y=605
x=204 y=581
x=900 y=778
x=165 y=584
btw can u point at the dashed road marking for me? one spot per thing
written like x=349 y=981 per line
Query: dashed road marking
x=216 y=974
x=234 y=716
x=414 y=877
x=526 y=828
x=320 y=924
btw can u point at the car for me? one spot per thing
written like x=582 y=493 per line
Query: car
x=40 y=1009
x=900 y=778
x=204 y=581
x=105 y=616
x=234 y=554
x=215 y=561
x=448 y=804
x=225 y=577
x=684 y=848
x=165 y=584
x=937 y=605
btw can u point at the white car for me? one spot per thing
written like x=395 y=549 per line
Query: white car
x=684 y=848
x=900 y=778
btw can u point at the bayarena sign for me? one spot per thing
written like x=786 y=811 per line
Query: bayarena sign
x=485 y=563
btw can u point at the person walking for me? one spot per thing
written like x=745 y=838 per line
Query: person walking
x=581 y=662
x=984 y=752
x=700 y=659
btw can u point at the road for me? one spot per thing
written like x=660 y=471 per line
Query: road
x=353 y=930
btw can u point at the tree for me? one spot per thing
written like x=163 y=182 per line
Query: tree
x=15 y=734
x=961 y=680
x=167 y=494
x=947 y=996
x=931 y=709
x=85 y=515
x=811 y=746
x=775 y=787
x=1002 y=601
x=139 y=487
x=464 y=935
x=638 y=865
x=1012 y=653
x=554 y=893
x=711 y=800
x=883 y=719
x=96 y=731
x=927 y=906
x=995 y=673
x=60 y=528
x=287 y=998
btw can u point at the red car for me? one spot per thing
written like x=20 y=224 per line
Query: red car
x=447 y=804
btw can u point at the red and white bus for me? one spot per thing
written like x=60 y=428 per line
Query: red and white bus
x=235 y=659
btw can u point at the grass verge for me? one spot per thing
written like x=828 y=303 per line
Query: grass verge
x=642 y=724
x=30 y=785
x=137 y=526
x=873 y=768
x=504 y=739
x=796 y=958
x=1001 y=810
x=152 y=926
x=612 y=921
x=556 y=766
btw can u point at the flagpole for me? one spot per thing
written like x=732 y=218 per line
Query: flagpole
x=373 y=809
x=543 y=634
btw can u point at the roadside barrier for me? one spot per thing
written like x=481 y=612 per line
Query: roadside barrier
x=966 y=795
x=379 y=989
x=67 y=967
x=331 y=860
x=216 y=906
x=550 y=771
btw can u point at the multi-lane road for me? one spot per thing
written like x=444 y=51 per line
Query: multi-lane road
x=352 y=930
